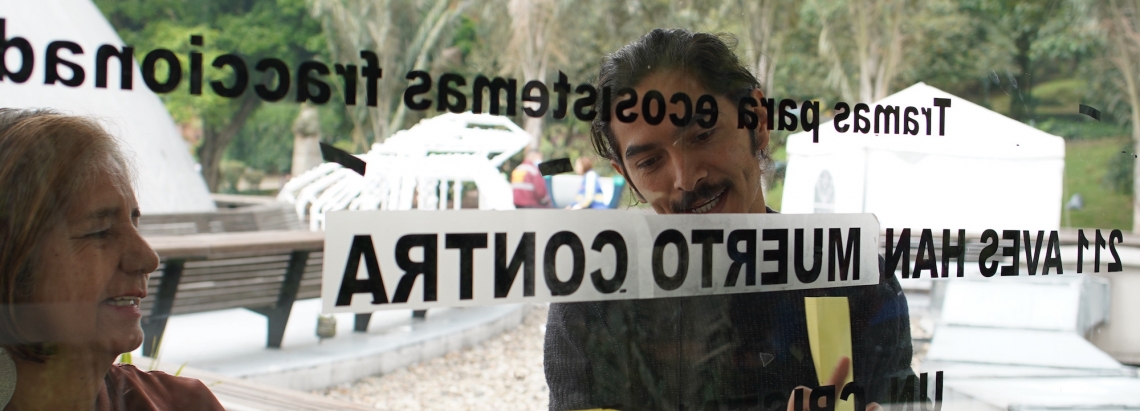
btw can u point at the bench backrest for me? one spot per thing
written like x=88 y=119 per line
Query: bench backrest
x=234 y=270
x=264 y=217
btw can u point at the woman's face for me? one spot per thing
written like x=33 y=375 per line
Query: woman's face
x=91 y=271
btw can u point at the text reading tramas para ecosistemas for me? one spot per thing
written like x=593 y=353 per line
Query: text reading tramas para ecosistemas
x=448 y=91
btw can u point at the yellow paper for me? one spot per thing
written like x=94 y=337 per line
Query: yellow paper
x=829 y=333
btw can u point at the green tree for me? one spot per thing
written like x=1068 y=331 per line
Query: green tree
x=406 y=34
x=1026 y=32
x=251 y=29
x=1120 y=20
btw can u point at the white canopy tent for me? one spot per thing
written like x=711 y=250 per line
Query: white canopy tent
x=167 y=181
x=987 y=171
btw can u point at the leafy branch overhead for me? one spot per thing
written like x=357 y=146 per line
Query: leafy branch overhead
x=250 y=29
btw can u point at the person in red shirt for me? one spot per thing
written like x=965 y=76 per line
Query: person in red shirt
x=529 y=186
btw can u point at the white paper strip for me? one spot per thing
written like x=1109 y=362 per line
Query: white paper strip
x=426 y=259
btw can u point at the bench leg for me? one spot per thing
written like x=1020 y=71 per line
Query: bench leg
x=155 y=323
x=278 y=316
x=360 y=324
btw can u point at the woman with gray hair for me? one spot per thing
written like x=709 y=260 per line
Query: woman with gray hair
x=73 y=269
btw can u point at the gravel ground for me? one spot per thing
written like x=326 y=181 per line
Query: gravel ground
x=503 y=373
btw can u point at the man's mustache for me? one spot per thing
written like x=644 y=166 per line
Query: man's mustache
x=701 y=194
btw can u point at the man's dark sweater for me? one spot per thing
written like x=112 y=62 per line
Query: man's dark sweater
x=726 y=351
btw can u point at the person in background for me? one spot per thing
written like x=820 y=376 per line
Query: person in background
x=73 y=270
x=528 y=184
x=590 y=192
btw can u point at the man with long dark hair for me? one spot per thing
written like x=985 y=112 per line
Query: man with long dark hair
x=710 y=352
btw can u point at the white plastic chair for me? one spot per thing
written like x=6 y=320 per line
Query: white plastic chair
x=417 y=167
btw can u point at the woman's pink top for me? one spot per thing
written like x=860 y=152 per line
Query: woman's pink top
x=129 y=388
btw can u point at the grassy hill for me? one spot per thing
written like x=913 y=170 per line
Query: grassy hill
x=1086 y=162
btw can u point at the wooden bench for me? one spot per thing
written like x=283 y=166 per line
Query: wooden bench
x=263 y=271
x=237 y=394
x=235 y=214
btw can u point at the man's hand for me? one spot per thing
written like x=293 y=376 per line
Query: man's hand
x=838 y=376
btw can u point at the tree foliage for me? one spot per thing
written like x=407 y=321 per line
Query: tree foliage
x=252 y=29
x=1031 y=60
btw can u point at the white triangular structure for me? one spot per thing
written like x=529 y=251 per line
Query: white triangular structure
x=987 y=171
x=167 y=180
x=423 y=167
